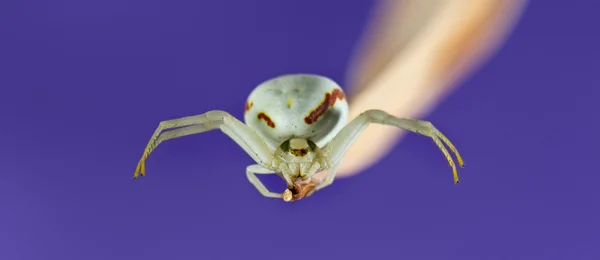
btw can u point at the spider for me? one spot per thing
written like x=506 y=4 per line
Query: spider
x=295 y=127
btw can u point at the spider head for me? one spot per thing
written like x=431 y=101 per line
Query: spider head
x=303 y=159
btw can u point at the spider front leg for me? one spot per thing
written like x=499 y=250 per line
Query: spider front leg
x=243 y=135
x=338 y=146
x=251 y=172
x=329 y=179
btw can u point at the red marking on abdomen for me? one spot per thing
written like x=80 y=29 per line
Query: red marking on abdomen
x=267 y=119
x=249 y=105
x=329 y=101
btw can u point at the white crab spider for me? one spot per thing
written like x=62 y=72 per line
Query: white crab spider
x=295 y=129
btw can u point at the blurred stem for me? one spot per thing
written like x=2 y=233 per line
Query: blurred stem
x=413 y=54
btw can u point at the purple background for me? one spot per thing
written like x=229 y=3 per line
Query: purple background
x=85 y=83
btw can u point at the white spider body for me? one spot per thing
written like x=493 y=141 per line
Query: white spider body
x=295 y=127
x=297 y=106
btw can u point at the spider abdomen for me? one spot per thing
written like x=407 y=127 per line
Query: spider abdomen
x=305 y=106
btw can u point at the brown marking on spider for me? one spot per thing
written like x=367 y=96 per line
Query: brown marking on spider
x=249 y=105
x=329 y=101
x=267 y=119
x=299 y=152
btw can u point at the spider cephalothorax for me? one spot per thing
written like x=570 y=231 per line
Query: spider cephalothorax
x=295 y=127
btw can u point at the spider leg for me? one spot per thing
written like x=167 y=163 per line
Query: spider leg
x=329 y=179
x=243 y=135
x=338 y=146
x=251 y=172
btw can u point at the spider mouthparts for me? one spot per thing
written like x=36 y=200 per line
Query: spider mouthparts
x=287 y=195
